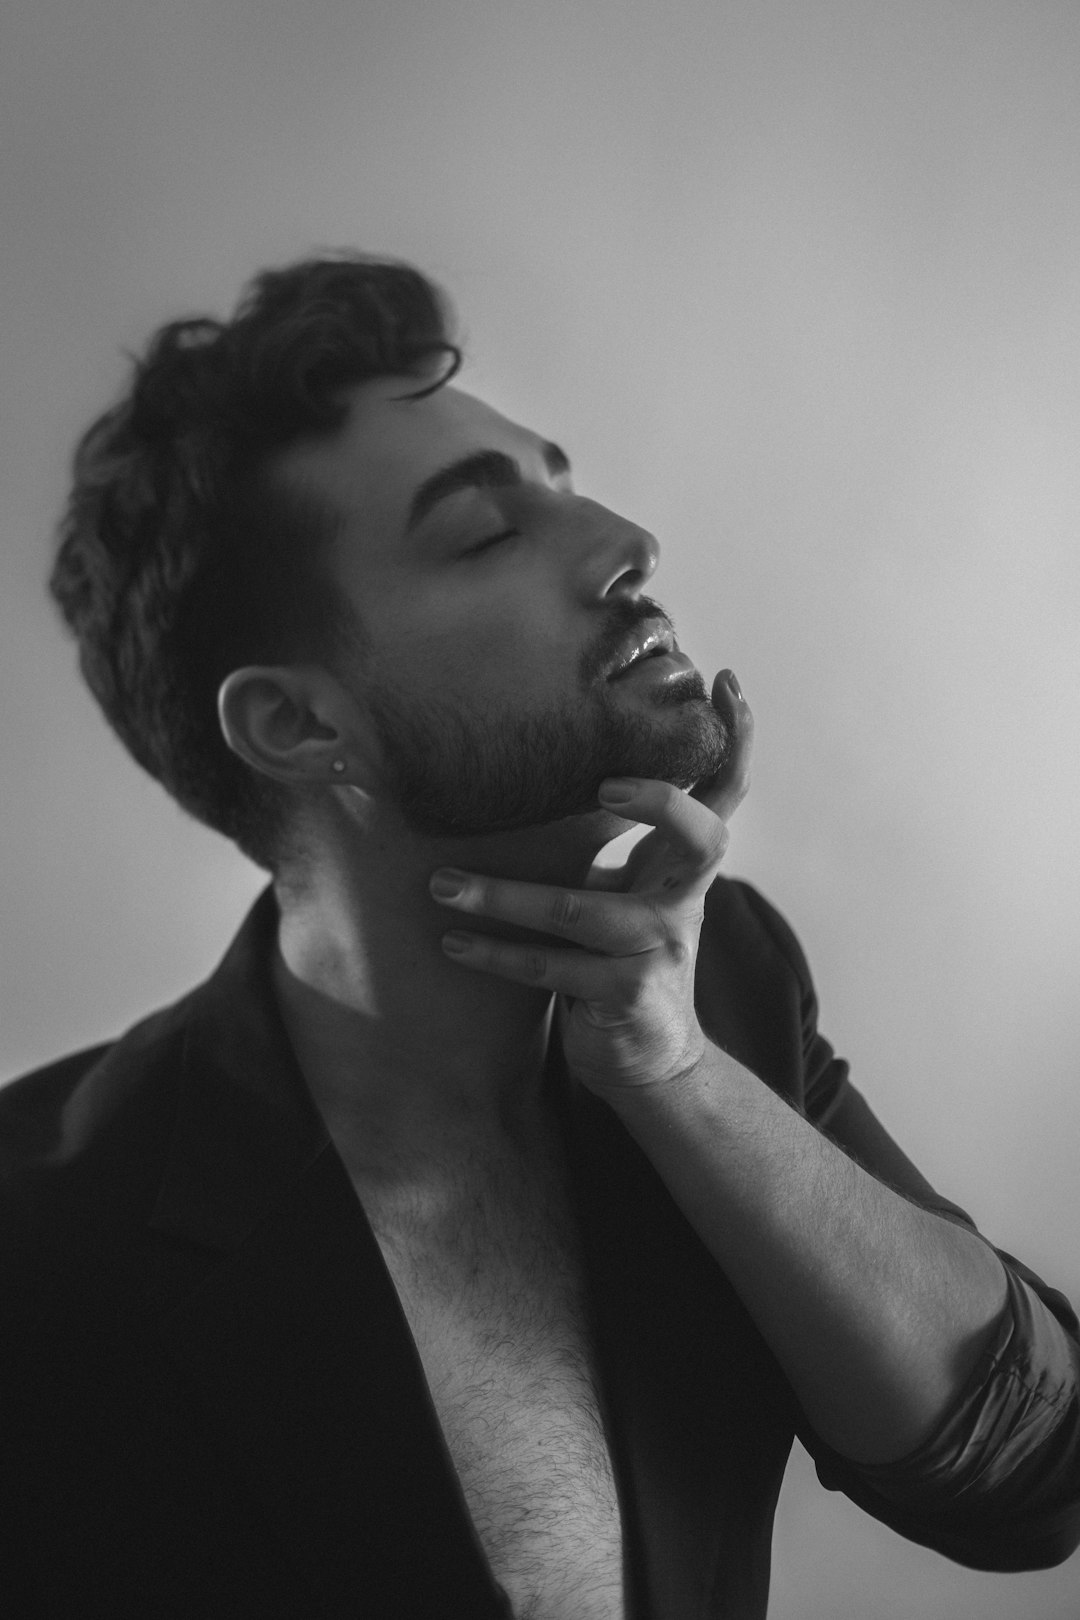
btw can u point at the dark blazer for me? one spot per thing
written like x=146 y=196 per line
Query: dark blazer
x=211 y=1407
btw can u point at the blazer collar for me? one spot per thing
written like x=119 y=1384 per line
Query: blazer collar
x=245 y=1124
x=276 y=1305
x=275 y=1300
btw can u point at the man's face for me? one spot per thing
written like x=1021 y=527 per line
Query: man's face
x=499 y=609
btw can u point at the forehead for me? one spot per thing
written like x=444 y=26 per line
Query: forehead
x=391 y=443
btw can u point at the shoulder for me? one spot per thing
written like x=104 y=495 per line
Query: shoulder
x=56 y=1109
x=82 y=1141
x=747 y=942
x=124 y=1089
x=753 y=990
x=739 y=918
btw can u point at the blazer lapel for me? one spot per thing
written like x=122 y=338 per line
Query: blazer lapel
x=276 y=1305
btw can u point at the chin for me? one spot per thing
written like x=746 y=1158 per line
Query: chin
x=702 y=746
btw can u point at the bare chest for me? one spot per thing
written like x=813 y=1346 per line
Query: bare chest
x=494 y=1299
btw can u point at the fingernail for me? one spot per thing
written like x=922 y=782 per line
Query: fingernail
x=618 y=790
x=733 y=683
x=447 y=884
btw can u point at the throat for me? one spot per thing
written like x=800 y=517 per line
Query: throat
x=457 y=1193
x=400 y=1094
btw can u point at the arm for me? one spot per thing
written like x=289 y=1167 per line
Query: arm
x=997 y=1483
x=887 y=1317
x=877 y=1310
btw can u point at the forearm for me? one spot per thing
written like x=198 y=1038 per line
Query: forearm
x=876 y=1309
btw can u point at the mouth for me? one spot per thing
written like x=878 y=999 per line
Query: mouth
x=653 y=639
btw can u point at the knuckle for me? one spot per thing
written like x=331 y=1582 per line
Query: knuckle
x=565 y=909
x=535 y=965
x=737 y=773
x=714 y=841
x=657 y=920
x=479 y=894
x=634 y=991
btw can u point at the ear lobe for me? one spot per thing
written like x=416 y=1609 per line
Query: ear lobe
x=288 y=722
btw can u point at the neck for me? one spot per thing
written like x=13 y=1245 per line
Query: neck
x=405 y=1051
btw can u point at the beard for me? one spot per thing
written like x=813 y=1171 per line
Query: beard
x=468 y=775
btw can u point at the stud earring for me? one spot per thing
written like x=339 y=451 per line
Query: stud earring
x=338 y=766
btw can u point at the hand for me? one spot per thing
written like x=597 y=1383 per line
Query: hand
x=627 y=970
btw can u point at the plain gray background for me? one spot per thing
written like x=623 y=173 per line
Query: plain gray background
x=797 y=285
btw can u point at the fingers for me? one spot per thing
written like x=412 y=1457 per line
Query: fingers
x=694 y=834
x=567 y=972
x=724 y=791
x=679 y=862
x=594 y=921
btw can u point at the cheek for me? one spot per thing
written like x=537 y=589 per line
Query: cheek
x=459 y=640
x=509 y=664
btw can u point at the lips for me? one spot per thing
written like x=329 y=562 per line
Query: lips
x=649 y=640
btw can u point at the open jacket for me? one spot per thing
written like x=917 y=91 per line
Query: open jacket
x=211 y=1406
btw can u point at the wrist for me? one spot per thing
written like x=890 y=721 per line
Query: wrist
x=687 y=1081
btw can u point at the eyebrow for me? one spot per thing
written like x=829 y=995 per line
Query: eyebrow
x=484 y=469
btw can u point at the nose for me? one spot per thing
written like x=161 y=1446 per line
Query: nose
x=620 y=557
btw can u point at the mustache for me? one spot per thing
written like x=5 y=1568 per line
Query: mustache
x=620 y=618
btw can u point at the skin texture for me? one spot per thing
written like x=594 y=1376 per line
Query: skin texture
x=499 y=636
x=488 y=611
x=627 y=969
x=877 y=1310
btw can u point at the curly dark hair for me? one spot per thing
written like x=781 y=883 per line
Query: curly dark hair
x=183 y=552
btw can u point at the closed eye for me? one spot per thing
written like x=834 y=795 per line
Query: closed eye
x=492 y=540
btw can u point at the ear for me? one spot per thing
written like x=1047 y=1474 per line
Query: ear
x=293 y=723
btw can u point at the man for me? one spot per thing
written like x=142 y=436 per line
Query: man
x=475 y=1241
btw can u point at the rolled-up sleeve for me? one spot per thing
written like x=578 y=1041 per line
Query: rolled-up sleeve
x=997 y=1485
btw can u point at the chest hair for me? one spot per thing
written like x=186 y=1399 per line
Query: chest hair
x=491 y=1279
